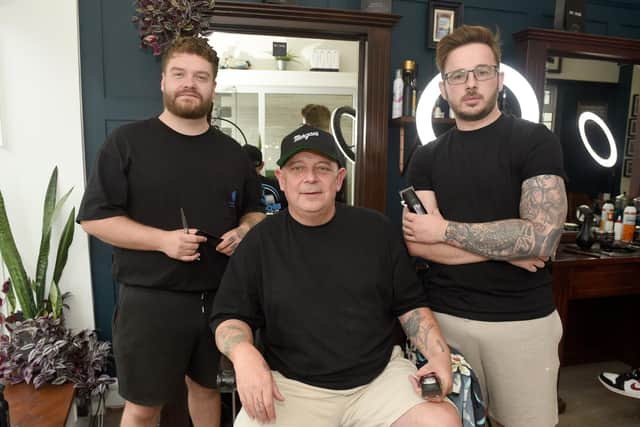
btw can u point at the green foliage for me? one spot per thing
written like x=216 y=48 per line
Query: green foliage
x=30 y=293
x=162 y=21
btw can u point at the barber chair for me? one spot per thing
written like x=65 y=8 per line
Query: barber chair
x=466 y=394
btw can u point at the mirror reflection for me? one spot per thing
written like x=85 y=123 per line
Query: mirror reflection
x=575 y=86
x=260 y=98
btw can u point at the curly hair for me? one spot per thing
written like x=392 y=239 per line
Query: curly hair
x=464 y=35
x=194 y=45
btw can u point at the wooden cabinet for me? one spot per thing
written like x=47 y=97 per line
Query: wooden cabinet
x=597 y=301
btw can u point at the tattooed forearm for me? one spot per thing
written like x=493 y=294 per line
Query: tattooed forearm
x=543 y=209
x=417 y=329
x=228 y=336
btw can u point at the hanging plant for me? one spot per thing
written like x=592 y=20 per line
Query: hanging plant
x=162 y=21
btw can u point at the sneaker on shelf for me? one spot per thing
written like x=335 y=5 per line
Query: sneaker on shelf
x=626 y=384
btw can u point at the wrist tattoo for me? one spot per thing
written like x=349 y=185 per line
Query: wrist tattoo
x=230 y=336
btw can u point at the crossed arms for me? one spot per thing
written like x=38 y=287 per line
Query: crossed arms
x=523 y=241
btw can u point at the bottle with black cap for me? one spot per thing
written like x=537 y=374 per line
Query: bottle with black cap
x=408 y=76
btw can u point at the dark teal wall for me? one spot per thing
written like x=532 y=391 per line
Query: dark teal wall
x=120 y=81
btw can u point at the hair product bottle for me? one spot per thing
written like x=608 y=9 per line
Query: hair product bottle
x=398 y=86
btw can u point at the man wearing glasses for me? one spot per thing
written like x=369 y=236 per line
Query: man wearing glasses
x=494 y=191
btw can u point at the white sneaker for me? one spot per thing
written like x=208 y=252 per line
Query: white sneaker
x=626 y=384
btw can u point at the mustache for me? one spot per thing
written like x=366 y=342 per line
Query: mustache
x=189 y=92
x=471 y=94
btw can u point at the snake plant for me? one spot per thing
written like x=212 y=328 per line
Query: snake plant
x=30 y=292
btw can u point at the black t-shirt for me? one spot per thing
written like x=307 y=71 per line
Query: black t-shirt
x=325 y=298
x=147 y=171
x=477 y=177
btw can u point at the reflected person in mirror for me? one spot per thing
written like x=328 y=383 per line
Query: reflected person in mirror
x=152 y=180
x=325 y=284
x=494 y=191
x=272 y=198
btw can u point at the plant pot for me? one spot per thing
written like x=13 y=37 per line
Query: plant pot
x=281 y=64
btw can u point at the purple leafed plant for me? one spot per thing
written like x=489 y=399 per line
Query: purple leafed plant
x=43 y=351
x=162 y=21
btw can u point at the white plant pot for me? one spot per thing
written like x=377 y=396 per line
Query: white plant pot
x=281 y=64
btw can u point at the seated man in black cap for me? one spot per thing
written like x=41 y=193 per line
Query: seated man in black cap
x=272 y=198
x=324 y=283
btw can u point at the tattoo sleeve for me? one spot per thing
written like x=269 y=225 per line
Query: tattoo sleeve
x=230 y=335
x=543 y=209
x=417 y=326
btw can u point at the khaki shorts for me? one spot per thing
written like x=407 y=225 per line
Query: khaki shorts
x=516 y=364
x=379 y=403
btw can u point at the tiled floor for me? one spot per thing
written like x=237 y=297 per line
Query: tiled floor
x=589 y=404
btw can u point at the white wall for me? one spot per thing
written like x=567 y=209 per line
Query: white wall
x=41 y=116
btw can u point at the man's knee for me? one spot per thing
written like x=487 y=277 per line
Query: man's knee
x=200 y=392
x=135 y=414
x=429 y=414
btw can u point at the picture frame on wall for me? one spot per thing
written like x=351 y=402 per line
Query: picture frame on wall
x=553 y=64
x=444 y=17
x=629 y=150
x=634 y=105
x=626 y=169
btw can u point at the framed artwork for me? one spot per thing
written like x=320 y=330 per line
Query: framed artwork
x=634 y=106
x=626 y=169
x=553 y=64
x=444 y=17
x=630 y=148
x=631 y=128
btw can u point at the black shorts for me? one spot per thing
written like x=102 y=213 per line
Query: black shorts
x=159 y=337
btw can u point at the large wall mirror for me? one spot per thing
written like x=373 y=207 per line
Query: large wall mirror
x=573 y=74
x=259 y=100
x=267 y=102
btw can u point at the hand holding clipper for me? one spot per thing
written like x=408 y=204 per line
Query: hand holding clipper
x=430 y=386
x=412 y=201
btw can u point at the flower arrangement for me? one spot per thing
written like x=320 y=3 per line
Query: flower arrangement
x=162 y=21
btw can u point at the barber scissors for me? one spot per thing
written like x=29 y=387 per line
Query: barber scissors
x=184 y=221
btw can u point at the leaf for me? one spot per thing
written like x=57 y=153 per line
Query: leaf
x=45 y=238
x=13 y=261
x=63 y=247
x=56 y=300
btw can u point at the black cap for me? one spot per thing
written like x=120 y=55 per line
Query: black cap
x=308 y=138
x=254 y=154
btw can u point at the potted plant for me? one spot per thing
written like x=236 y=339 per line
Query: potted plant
x=282 y=61
x=162 y=21
x=35 y=346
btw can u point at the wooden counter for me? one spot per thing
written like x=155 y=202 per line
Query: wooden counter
x=597 y=298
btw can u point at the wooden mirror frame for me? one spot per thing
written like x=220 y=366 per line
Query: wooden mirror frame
x=373 y=31
x=537 y=44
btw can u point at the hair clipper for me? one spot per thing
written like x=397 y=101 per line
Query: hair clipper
x=430 y=386
x=412 y=201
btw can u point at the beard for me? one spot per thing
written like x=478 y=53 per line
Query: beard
x=187 y=110
x=479 y=115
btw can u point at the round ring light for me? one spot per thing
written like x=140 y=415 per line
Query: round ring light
x=613 y=155
x=512 y=79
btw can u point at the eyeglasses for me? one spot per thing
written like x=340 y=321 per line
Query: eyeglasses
x=480 y=72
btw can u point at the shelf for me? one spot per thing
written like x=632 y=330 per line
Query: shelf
x=403 y=121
